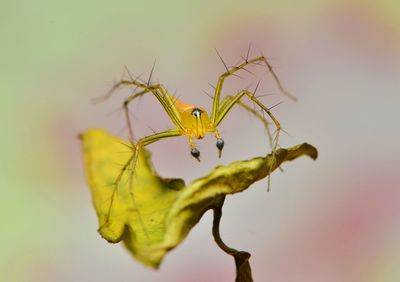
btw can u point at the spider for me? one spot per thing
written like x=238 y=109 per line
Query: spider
x=192 y=121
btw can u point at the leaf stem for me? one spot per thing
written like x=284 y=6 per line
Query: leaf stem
x=243 y=270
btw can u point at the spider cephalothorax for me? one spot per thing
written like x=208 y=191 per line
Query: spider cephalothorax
x=195 y=120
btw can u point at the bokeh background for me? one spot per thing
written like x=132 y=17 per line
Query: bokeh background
x=336 y=219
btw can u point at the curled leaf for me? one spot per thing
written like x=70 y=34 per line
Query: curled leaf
x=162 y=211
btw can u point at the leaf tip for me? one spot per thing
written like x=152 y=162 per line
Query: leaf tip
x=310 y=150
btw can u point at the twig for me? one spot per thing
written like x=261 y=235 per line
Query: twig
x=243 y=270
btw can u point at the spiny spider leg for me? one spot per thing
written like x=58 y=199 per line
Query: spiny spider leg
x=233 y=70
x=229 y=102
x=252 y=111
x=261 y=118
x=131 y=165
x=158 y=91
x=116 y=184
x=167 y=103
x=222 y=112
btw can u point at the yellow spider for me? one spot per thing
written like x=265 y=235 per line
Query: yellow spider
x=192 y=121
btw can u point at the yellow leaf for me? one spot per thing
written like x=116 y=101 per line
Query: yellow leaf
x=162 y=211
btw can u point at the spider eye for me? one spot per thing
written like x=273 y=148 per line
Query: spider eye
x=196 y=113
x=220 y=144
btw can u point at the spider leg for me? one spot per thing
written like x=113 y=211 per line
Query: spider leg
x=158 y=90
x=230 y=101
x=232 y=71
x=259 y=116
x=166 y=101
x=130 y=165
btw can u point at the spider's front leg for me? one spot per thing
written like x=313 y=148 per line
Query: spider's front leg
x=166 y=101
x=147 y=140
x=221 y=80
x=158 y=90
x=255 y=113
x=242 y=66
x=230 y=101
x=130 y=166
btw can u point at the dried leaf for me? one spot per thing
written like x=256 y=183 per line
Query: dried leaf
x=164 y=210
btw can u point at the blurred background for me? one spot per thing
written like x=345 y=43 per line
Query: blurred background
x=336 y=219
